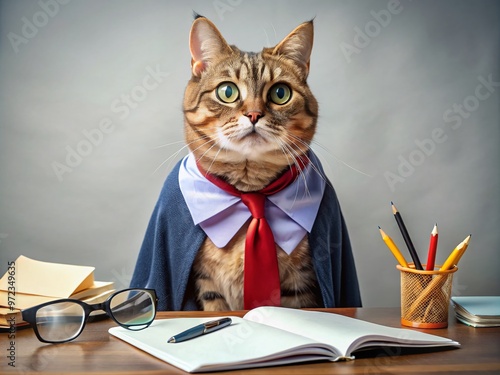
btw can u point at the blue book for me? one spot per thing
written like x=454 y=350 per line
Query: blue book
x=478 y=311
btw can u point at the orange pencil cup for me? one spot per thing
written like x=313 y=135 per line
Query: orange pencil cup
x=425 y=297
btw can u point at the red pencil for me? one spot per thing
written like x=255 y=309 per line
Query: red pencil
x=431 y=257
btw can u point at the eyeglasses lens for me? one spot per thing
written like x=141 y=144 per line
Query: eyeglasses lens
x=133 y=308
x=60 y=321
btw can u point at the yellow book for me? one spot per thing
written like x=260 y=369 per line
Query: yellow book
x=29 y=282
x=23 y=301
x=96 y=290
x=7 y=316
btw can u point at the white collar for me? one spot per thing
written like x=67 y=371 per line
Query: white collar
x=290 y=213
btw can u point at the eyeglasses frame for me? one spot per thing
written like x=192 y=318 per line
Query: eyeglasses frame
x=29 y=314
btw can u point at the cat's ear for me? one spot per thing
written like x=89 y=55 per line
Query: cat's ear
x=205 y=43
x=298 y=45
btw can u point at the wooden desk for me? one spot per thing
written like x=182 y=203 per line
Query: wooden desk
x=95 y=351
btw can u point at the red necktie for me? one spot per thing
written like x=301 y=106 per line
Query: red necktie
x=261 y=286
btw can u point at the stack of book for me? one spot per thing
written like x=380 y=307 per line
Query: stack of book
x=28 y=282
x=478 y=311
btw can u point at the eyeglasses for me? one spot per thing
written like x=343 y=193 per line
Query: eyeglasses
x=64 y=319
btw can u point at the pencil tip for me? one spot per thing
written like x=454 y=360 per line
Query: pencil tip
x=170 y=340
x=392 y=202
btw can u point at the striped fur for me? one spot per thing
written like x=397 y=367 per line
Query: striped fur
x=249 y=141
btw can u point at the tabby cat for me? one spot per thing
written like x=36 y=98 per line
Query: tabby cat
x=248 y=117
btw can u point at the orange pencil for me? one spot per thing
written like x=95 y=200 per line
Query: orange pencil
x=431 y=256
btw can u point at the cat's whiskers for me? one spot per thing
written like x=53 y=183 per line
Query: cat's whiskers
x=293 y=160
x=205 y=152
x=292 y=156
x=293 y=140
x=214 y=158
x=167 y=144
x=339 y=159
x=315 y=168
x=176 y=153
x=296 y=155
x=221 y=146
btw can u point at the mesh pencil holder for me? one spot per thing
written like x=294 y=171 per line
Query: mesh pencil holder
x=425 y=296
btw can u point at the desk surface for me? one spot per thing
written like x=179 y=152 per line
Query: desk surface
x=95 y=351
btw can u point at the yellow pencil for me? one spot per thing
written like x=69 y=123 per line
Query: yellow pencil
x=456 y=254
x=466 y=244
x=394 y=249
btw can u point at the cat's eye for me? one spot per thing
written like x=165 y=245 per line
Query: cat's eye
x=227 y=92
x=280 y=93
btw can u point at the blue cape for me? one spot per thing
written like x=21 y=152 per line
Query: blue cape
x=172 y=241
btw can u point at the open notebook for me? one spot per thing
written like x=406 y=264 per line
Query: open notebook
x=269 y=336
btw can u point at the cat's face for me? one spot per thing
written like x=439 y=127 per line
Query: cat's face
x=245 y=109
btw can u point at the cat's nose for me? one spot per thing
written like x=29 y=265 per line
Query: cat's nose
x=254 y=116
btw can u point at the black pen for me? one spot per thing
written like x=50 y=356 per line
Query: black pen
x=200 y=330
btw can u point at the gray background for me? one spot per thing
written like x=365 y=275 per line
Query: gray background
x=382 y=97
